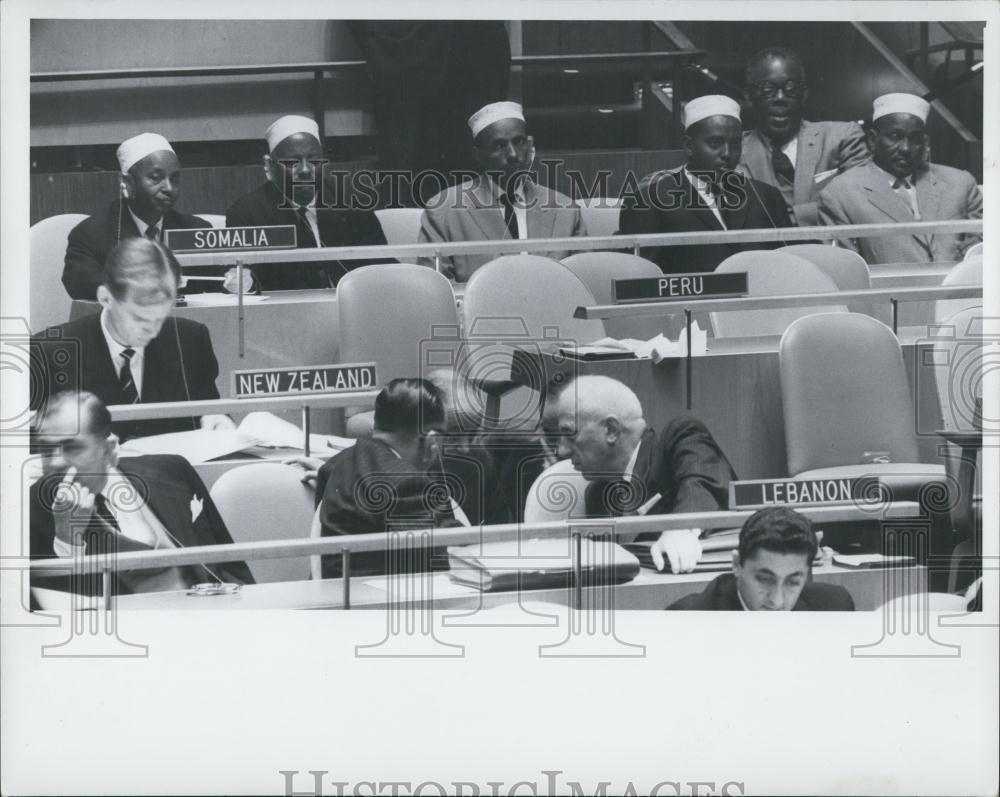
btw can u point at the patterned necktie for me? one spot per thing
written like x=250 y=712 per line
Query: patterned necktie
x=308 y=239
x=130 y=395
x=509 y=216
x=153 y=233
x=783 y=166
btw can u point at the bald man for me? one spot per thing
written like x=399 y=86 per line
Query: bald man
x=631 y=468
x=901 y=185
x=149 y=186
x=295 y=193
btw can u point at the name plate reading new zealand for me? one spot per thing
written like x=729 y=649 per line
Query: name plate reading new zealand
x=680 y=286
x=757 y=494
x=307 y=379
x=232 y=239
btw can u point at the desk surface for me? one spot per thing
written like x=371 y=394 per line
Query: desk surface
x=649 y=590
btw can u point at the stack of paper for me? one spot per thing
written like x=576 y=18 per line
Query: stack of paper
x=273 y=431
x=716 y=551
x=655 y=349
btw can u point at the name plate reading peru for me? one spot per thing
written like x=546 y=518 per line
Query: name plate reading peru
x=232 y=239
x=681 y=286
x=307 y=379
x=757 y=494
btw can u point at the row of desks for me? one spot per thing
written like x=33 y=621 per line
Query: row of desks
x=649 y=590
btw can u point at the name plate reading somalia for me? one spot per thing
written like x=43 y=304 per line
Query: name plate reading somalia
x=680 y=286
x=761 y=493
x=232 y=239
x=307 y=379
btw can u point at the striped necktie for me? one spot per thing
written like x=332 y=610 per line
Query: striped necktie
x=130 y=395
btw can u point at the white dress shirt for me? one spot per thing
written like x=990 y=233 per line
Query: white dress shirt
x=135 y=519
x=706 y=196
x=141 y=226
x=115 y=349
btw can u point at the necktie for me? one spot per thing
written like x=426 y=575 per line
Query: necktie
x=102 y=511
x=308 y=239
x=130 y=395
x=509 y=217
x=903 y=185
x=153 y=233
x=783 y=167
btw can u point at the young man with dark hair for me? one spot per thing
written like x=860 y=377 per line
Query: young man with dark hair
x=771 y=570
x=390 y=481
x=796 y=156
x=133 y=350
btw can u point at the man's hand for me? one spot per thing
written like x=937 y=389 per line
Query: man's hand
x=680 y=546
x=72 y=507
x=212 y=422
x=310 y=465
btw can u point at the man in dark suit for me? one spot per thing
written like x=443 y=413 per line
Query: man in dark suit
x=631 y=469
x=391 y=481
x=150 y=186
x=705 y=194
x=133 y=350
x=901 y=185
x=771 y=570
x=89 y=501
x=295 y=193
x=796 y=156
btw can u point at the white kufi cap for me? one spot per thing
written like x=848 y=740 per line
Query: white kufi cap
x=288 y=126
x=710 y=105
x=900 y=103
x=138 y=147
x=494 y=112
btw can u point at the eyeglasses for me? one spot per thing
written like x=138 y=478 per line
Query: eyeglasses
x=792 y=88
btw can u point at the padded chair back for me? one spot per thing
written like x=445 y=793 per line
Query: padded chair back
x=267 y=501
x=600 y=215
x=847 y=269
x=315 y=532
x=48 y=302
x=772 y=273
x=597 y=270
x=393 y=314
x=401 y=226
x=557 y=494
x=968 y=272
x=975 y=249
x=217 y=220
x=958 y=351
x=521 y=301
x=845 y=392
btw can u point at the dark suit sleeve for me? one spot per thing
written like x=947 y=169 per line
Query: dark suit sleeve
x=209 y=527
x=208 y=366
x=639 y=217
x=853 y=148
x=238 y=216
x=84 y=262
x=698 y=468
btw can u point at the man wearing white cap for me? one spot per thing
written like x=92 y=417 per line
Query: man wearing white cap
x=796 y=156
x=705 y=194
x=294 y=193
x=502 y=202
x=900 y=185
x=149 y=184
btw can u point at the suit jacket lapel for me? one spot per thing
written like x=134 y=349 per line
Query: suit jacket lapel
x=928 y=203
x=806 y=158
x=100 y=370
x=486 y=212
x=697 y=208
x=541 y=219
x=881 y=195
x=758 y=159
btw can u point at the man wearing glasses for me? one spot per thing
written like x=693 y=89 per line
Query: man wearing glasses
x=796 y=156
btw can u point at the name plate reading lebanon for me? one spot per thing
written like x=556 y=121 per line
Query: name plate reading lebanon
x=228 y=239
x=770 y=492
x=306 y=379
x=681 y=286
